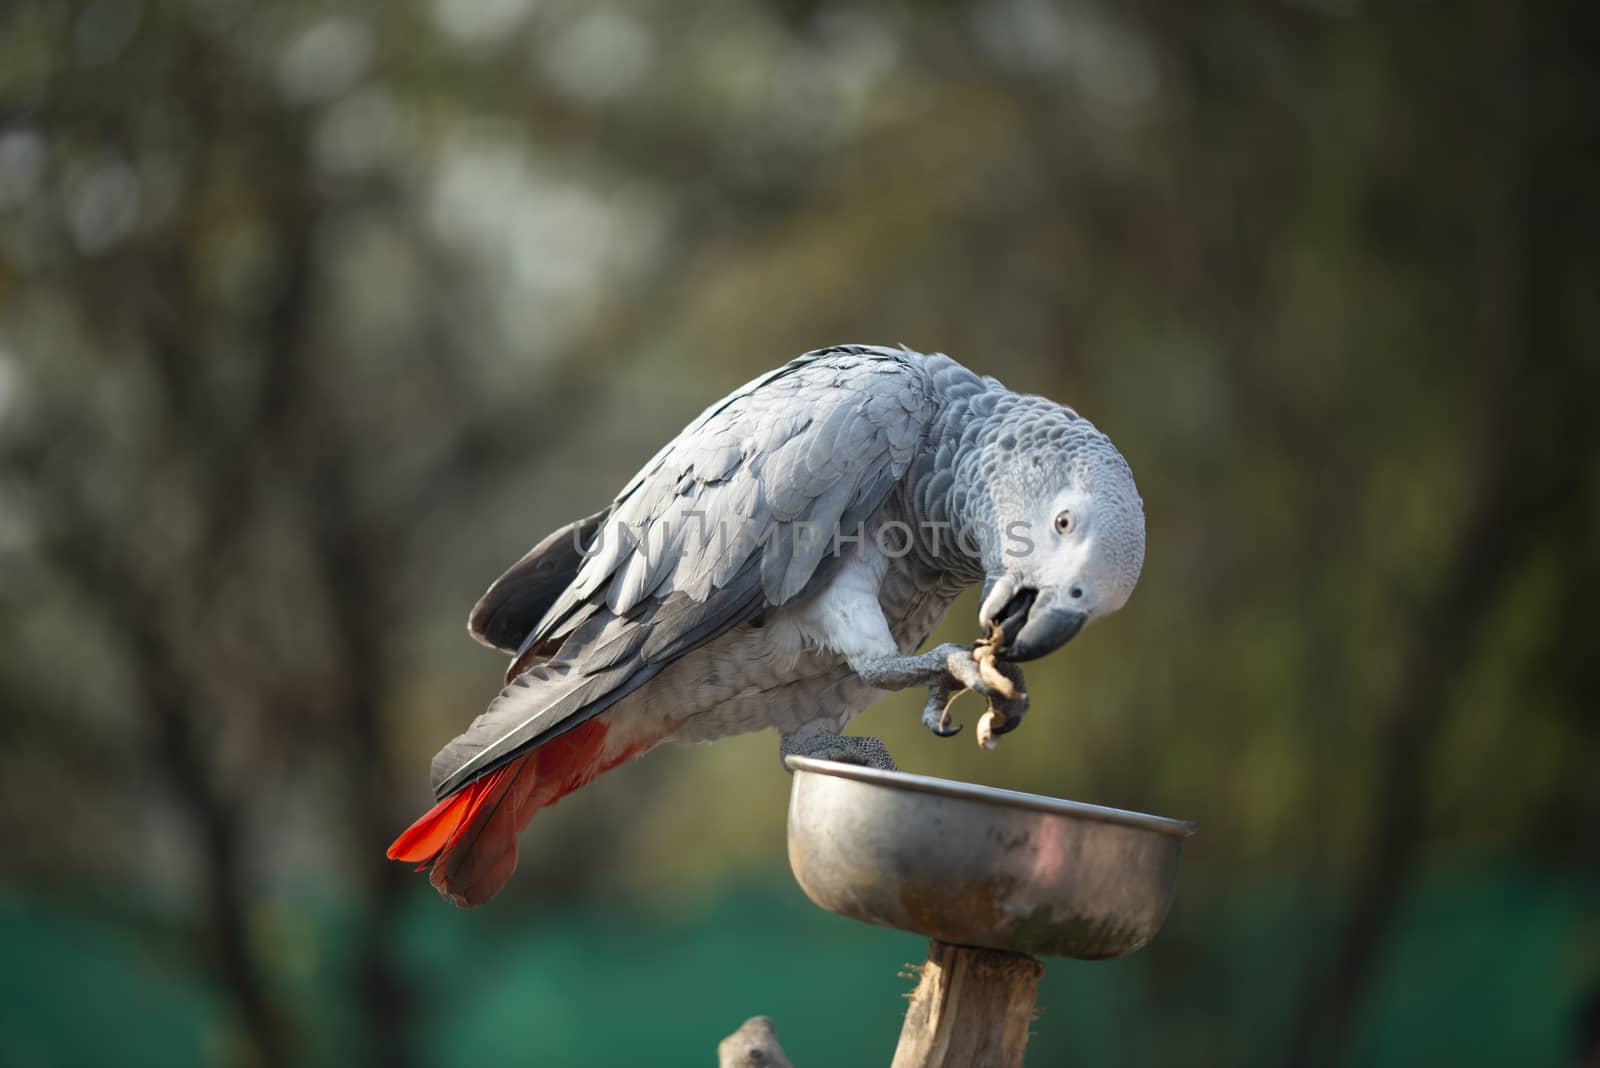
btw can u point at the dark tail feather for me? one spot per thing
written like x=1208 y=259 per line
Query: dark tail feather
x=513 y=606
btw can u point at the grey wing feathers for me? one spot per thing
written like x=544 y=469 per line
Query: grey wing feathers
x=734 y=515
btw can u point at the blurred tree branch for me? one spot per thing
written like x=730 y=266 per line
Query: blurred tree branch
x=1529 y=456
x=245 y=427
x=70 y=539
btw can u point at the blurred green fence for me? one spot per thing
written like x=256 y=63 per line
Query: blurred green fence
x=1484 y=974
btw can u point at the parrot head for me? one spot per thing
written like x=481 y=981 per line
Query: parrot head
x=1069 y=525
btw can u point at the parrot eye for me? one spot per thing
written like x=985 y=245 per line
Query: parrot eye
x=1064 y=523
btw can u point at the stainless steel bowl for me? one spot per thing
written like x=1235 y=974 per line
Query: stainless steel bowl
x=978 y=866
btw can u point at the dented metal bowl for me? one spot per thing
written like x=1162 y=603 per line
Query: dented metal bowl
x=978 y=866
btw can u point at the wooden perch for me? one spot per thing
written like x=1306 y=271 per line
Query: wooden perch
x=754 y=1045
x=971 y=1007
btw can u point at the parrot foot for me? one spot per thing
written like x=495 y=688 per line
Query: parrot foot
x=948 y=670
x=844 y=748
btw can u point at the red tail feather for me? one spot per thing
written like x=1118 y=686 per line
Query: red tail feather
x=471 y=836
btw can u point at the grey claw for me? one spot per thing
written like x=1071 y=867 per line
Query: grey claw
x=1011 y=723
x=936 y=716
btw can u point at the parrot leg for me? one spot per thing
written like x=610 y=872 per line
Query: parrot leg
x=817 y=742
x=947 y=670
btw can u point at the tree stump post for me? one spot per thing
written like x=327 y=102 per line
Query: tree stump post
x=971 y=1007
x=755 y=1045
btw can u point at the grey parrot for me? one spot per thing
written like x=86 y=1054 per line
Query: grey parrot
x=777 y=564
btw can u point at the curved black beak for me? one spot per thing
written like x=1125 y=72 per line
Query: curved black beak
x=1013 y=615
x=1032 y=624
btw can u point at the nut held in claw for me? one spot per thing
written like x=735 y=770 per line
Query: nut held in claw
x=993 y=721
x=988 y=737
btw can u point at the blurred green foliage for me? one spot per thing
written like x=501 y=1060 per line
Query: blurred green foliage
x=314 y=316
x=619 y=981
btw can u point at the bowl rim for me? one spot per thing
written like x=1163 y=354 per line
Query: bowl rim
x=991 y=795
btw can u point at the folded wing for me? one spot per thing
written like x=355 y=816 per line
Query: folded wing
x=736 y=514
